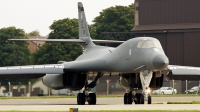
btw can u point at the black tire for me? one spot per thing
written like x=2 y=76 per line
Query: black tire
x=81 y=99
x=125 y=98
x=128 y=98
x=141 y=99
x=137 y=97
x=149 y=100
x=162 y=93
x=93 y=99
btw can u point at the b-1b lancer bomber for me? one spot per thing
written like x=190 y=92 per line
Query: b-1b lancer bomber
x=141 y=63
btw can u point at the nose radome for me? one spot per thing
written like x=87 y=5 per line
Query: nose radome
x=160 y=61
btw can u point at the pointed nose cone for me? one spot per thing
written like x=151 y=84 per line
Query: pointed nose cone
x=160 y=61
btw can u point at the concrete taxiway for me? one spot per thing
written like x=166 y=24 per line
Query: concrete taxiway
x=102 y=104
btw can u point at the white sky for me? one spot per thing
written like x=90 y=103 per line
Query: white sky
x=39 y=14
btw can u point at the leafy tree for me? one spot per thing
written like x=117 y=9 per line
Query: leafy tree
x=53 y=52
x=33 y=33
x=92 y=30
x=13 y=52
x=114 y=19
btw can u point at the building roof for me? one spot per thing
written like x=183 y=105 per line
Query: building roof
x=37 y=37
x=166 y=28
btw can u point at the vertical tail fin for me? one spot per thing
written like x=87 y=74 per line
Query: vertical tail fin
x=84 y=33
x=83 y=27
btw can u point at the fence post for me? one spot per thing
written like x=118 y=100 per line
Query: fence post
x=10 y=89
x=198 y=88
x=49 y=91
x=173 y=86
x=107 y=89
x=29 y=89
x=186 y=86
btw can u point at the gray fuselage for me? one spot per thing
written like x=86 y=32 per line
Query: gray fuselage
x=125 y=58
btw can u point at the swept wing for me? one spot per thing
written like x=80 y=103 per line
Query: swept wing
x=184 y=70
x=30 y=71
x=35 y=71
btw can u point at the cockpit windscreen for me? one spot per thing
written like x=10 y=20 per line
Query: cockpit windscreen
x=149 y=44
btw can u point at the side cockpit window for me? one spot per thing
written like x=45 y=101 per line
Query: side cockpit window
x=157 y=44
x=139 y=45
x=148 y=44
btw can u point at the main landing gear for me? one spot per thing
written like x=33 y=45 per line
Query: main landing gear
x=86 y=95
x=140 y=98
x=90 y=98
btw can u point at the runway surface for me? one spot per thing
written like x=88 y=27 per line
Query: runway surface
x=102 y=104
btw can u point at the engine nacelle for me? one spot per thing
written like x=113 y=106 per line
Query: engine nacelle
x=72 y=81
x=53 y=81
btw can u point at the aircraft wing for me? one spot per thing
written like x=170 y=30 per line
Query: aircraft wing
x=30 y=71
x=184 y=70
x=68 y=40
x=36 y=71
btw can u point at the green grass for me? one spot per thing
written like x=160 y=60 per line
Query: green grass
x=157 y=103
x=178 y=95
x=115 y=111
x=192 y=102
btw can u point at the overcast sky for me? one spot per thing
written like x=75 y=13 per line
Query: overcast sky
x=39 y=14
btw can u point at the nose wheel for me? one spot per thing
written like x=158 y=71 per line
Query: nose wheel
x=138 y=98
x=149 y=100
x=141 y=99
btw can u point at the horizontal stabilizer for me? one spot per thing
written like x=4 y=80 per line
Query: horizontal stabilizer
x=52 y=40
x=68 y=40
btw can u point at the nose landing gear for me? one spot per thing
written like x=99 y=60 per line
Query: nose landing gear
x=140 y=98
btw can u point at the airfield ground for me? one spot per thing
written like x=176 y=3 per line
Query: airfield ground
x=114 y=103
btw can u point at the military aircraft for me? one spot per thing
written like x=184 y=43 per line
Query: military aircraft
x=140 y=62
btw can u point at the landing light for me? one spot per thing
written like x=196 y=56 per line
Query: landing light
x=148 y=89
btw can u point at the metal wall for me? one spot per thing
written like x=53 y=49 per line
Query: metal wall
x=192 y=48
x=168 y=11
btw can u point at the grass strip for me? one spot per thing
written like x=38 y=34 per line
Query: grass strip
x=113 y=111
x=192 y=102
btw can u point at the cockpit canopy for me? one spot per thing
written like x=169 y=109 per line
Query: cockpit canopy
x=149 y=44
